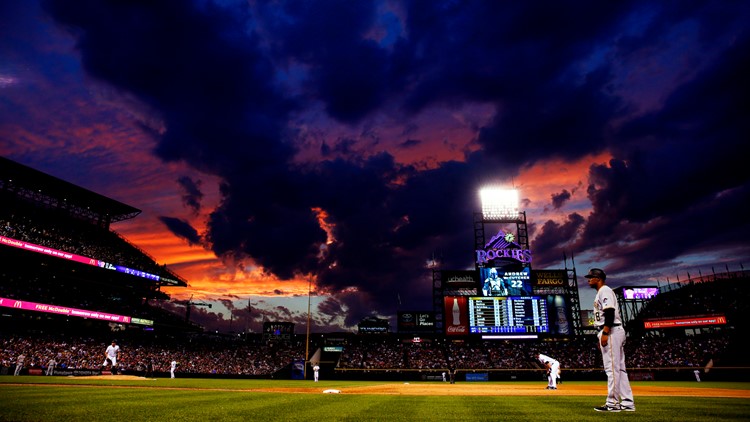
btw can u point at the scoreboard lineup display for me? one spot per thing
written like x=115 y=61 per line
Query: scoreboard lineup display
x=520 y=314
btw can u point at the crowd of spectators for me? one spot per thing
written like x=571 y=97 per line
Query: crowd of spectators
x=580 y=353
x=100 y=244
x=378 y=353
x=199 y=355
x=220 y=356
x=425 y=355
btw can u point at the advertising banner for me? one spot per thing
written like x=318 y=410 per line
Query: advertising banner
x=456 y=279
x=477 y=376
x=697 y=321
x=298 y=369
x=549 y=278
x=456 y=316
x=416 y=322
x=62 y=310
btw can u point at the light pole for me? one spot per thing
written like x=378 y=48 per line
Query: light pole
x=307 y=339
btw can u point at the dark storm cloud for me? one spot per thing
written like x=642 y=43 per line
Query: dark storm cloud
x=410 y=143
x=559 y=199
x=229 y=304
x=330 y=309
x=484 y=50
x=213 y=75
x=359 y=199
x=680 y=179
x=349 y=73
x=197 y=65
x=268 y=215
x=341 y=147
x=558 y=120
x=193 y=196
x=521 y=57
x=182 y=229
x=556 y=240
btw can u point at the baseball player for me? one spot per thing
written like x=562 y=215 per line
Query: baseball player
x=172 y=368
x=51 y=367
x=20 y=359
x=611 y=343
x=553 y=370
x=149 y=367
x=494 y=285
x=316 y=370
x=111 y=355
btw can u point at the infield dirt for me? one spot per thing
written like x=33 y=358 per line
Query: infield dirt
x=489 y=389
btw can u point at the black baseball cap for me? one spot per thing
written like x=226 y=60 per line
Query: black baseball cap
x=596 y=272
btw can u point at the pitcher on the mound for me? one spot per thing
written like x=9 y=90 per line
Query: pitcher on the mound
x=111 y=355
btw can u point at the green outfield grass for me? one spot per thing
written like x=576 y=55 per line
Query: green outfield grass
x=36 y=398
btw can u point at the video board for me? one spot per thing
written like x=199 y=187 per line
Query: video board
x=497 y=281
x=508 y=315
x=278 y=331
x=634 y=293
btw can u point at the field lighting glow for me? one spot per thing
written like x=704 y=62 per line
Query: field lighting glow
x=499 y=204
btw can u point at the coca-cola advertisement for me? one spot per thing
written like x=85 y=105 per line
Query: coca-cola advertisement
x=456 y=316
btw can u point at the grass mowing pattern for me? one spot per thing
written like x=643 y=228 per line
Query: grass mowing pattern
x=223 y=401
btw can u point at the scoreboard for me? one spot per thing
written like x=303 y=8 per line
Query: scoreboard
x=509 y=315
x=278 y=331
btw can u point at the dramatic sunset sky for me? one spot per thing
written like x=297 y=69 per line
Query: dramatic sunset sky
x=270 y=144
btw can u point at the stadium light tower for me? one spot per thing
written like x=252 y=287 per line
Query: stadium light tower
x=307 y=339
x=499 y=204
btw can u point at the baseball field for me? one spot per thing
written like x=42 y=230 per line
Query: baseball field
x=131 y=398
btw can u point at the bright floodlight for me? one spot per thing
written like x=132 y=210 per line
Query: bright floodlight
x=499 y=204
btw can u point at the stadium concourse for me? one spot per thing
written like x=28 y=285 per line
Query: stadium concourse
x=57 y=251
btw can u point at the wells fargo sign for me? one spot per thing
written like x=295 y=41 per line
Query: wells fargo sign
x=549 y=278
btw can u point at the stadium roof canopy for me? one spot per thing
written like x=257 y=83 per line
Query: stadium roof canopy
x=51 y=192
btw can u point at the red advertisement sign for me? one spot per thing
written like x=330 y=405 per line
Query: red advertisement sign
x=456 y=316
x=685 y=322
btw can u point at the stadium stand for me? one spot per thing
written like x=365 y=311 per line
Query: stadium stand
x=56 y=248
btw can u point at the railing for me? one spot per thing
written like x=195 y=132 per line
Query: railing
x=713 y=277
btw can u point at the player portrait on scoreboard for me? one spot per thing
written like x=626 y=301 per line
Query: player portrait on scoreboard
x=493 y=284
x=502 y=282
